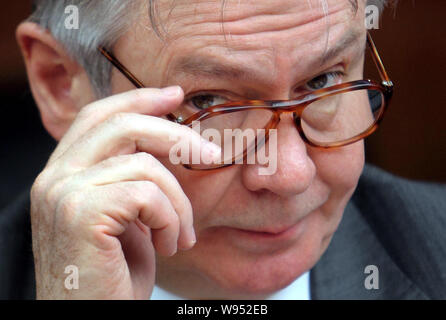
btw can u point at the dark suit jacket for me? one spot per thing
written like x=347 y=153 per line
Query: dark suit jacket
x=392 y=223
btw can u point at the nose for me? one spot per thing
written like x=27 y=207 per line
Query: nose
x=295 y=169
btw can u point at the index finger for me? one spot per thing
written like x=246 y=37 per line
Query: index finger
x=148 y=101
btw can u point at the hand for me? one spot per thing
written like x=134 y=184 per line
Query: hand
x=104 y=203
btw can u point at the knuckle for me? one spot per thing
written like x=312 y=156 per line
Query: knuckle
x=144 y=156
x=111 y=162
x=87 y=112
x=146 y=194
x=138 y=193
x=70 y=203
x=144 y=161
x=173 y=219
x=118 y=119
x=39 y=186
x=148 y=190
x=53 y=193
x=126 y=124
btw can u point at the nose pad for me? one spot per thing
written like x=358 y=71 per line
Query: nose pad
x=296 y=120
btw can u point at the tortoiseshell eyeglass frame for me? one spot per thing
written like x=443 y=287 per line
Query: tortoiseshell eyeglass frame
x=277 y=107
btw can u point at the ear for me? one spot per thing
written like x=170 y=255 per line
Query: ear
x=59 y=85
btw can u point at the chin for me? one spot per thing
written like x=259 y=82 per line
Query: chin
x=262 y=276
x=221 y=269
x=238 y=274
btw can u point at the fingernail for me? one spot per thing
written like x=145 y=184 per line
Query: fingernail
x=171 y=91
x=193 y=238
x=189 y=246
x=173 y=251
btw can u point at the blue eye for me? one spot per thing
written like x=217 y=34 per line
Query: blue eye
x=205 y=101
x=325 y=80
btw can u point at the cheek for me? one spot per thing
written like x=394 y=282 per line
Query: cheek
x=204 y=189
x=339 y=169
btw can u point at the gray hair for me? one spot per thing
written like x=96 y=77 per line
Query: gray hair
x=103 y=23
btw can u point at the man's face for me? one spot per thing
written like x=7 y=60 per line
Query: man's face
x=256 y=233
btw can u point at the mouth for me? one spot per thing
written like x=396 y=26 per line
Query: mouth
x=270 y=232
x=264 y=239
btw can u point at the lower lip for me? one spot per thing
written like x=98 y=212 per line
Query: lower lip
x=241 y=237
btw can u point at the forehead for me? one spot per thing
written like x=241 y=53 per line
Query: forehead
x=246 y=22
x=265 y=32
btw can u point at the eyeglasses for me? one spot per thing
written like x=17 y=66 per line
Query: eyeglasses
x=330 y=117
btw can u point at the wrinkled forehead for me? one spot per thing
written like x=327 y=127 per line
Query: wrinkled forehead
x=239 y=19
x=271 y=37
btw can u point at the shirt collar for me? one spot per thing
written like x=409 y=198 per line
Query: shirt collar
x=299 y=289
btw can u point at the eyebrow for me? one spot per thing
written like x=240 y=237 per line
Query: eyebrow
x=210 y=67
x=347 y=40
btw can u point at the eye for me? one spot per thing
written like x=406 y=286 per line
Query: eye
x=325 y=80
x=204 y=101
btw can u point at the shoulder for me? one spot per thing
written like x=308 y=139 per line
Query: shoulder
x=405 y=203
x=16 y=267
x=379 y=184
x=409 y=219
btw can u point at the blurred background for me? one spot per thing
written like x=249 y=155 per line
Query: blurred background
x=411 y=142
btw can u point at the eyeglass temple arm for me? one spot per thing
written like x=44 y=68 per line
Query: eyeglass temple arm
x=379 y=64
x=138 y=84
x=110 y=57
